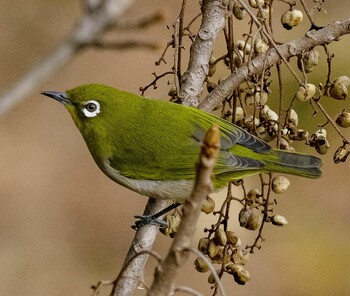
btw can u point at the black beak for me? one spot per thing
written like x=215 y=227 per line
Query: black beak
x=58 y=96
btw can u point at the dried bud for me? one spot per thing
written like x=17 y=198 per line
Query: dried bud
x=173 y=221
x=257 y=98
x=239 y=114
x=265 y=134
x=238 y=58
x=322 y=145
x=267 y=114
x=244 y=46
x=343 y=80
x=254 y=194
x=264 y=12
x=256 y=3
x=251 y=122
x=306 y=93
x=238 y=11
x=233 y=239
x=203 y=245
x=284 y=145
x=240 y=275
x=291 y=18
x=338 y=91
x=310 y=60
x=172 y=92
x=280 y=184
x=298 y=135
x=208 y=205
x=343 y=119
x=293 y=119
x=211 y=278
x=214 y=251
x=240 y=257
x=220 y=237
x=249 y=219
x=341 y=154
x=200 y=265
x=320 y=133
x=212 y=66
x=260 y=46
x=279 y=220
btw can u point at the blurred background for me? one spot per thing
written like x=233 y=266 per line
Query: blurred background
x=64 y=225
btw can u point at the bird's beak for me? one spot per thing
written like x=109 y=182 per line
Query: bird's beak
x=58 y=96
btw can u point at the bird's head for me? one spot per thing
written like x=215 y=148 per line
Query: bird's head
x=94 y=108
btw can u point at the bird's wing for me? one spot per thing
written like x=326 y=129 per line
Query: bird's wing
x=176 y=161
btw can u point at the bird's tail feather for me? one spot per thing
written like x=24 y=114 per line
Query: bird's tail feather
x=295 y=164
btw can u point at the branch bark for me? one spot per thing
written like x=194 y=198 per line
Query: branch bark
x=144 y=238
x=213 y=21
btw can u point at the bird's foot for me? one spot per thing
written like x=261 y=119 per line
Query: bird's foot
x=153 y=219
x=148 y=220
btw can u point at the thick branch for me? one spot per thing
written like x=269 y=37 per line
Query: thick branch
x=311 y=39
x=144 y=238
x=88 y=29
x=213 y=21
x=165 y=274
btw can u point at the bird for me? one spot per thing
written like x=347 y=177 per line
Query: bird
x=151 y=146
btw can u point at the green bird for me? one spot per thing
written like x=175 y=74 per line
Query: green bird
x=151 y=146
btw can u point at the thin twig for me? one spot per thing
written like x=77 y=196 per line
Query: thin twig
x=331 y=121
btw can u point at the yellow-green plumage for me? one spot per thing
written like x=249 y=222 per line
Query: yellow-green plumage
x=151 y=146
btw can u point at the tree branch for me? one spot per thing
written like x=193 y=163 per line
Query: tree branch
x=143 y=240
x=311 y=39
x=213 y=21
x=88 y=30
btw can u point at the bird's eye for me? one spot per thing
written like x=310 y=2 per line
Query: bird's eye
x=91 y=108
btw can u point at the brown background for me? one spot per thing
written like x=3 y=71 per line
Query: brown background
x=64 y=225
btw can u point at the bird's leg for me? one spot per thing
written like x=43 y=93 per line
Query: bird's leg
x=153 y=219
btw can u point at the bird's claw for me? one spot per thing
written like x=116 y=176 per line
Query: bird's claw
x=148 y=220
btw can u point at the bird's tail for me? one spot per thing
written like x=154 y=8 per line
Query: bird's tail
x=294 y=163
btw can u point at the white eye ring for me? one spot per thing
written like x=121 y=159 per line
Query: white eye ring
x=91 y=108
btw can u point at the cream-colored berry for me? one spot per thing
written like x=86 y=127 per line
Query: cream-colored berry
x=244 y=46
x=238 y=11
x=220 y=236
x=256 y=3
x=260 y=46
x=343 y=119
x=280 y=184
x=200 y=265
x=338 y=91
x=249 y=219
x=293 y=118
x=239 y=114
x=279 y=220
x=233 y=239
x=208 y=205
x=306 y=93
x=291 y=18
